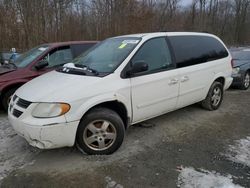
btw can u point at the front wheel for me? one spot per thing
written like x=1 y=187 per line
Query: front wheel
x=6 y=98
x=214 y=97
x=101 y=132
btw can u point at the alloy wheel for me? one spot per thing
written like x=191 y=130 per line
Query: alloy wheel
x=216 y=97
x=247 y=80
x=99 y=135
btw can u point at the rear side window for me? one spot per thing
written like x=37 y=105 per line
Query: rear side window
x=78 y=49
x=192 y=50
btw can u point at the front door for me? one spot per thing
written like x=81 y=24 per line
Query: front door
x=57 y=57
x=155 y=91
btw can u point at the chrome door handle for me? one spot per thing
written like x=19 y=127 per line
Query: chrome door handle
x=173 y=81
x=184 y=79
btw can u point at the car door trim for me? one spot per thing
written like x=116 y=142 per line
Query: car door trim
x=155 y=102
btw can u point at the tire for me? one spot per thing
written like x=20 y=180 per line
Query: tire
x=245 y=84
x=6 y=98
x=100 y=132
x=213 y=99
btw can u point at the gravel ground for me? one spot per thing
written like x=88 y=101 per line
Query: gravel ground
x=190 y=147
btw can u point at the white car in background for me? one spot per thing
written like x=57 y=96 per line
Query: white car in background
x=121 y=81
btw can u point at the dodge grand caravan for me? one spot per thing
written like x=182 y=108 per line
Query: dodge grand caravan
x=35 y=62
x=124 y=80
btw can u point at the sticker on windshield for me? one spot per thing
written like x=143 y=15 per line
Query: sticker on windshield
x=122 y=46
x=130 y=41
x=42 y=49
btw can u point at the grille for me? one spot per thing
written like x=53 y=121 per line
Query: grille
x=18 y=106
x=17 y=113
x=23 y=103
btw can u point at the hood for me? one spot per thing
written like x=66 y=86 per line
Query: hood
x=5 y=69
x=11 y=74
x=57 y=87
x=238 y=63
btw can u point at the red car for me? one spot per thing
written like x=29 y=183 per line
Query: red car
x=37 y=61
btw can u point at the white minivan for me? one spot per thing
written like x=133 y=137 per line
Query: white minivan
x=121 y=81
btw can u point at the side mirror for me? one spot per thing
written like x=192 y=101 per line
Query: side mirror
x=41 y=64
x=138 y=67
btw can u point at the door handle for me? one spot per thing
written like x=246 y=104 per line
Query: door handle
x=173 y=81
x=184 y=79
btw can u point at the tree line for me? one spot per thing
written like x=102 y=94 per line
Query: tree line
x=27 y=23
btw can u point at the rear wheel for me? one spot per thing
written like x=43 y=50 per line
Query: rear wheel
x=245 y=82
x=7 y=97
x=214 y=97
x=101 y=132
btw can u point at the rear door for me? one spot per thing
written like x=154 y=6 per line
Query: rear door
x=155 y=91
x=196 y=59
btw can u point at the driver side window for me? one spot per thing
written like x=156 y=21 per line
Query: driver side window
x=59 y=56
x=156 y=54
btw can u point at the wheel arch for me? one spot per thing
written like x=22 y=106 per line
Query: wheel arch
x=11 y=86
x=116 y=105
x=220 y=79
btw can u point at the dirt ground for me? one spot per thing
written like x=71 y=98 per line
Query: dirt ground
x=151 y=156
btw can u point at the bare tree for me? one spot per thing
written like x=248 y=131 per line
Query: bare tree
x=26 y=23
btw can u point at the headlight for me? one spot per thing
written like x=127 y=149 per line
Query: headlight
x=50 y=110
x=236 y=70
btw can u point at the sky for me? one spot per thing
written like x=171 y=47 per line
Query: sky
x=186 y=2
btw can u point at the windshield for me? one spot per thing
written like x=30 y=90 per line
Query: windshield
x=241 y=55
x=31 y=55
x=107 y=55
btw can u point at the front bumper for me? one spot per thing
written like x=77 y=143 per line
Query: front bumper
x=47 y=136
x=44 y=133
x=237 y=79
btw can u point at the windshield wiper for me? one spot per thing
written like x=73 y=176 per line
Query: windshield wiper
x=71 y=71
x=87 y=68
